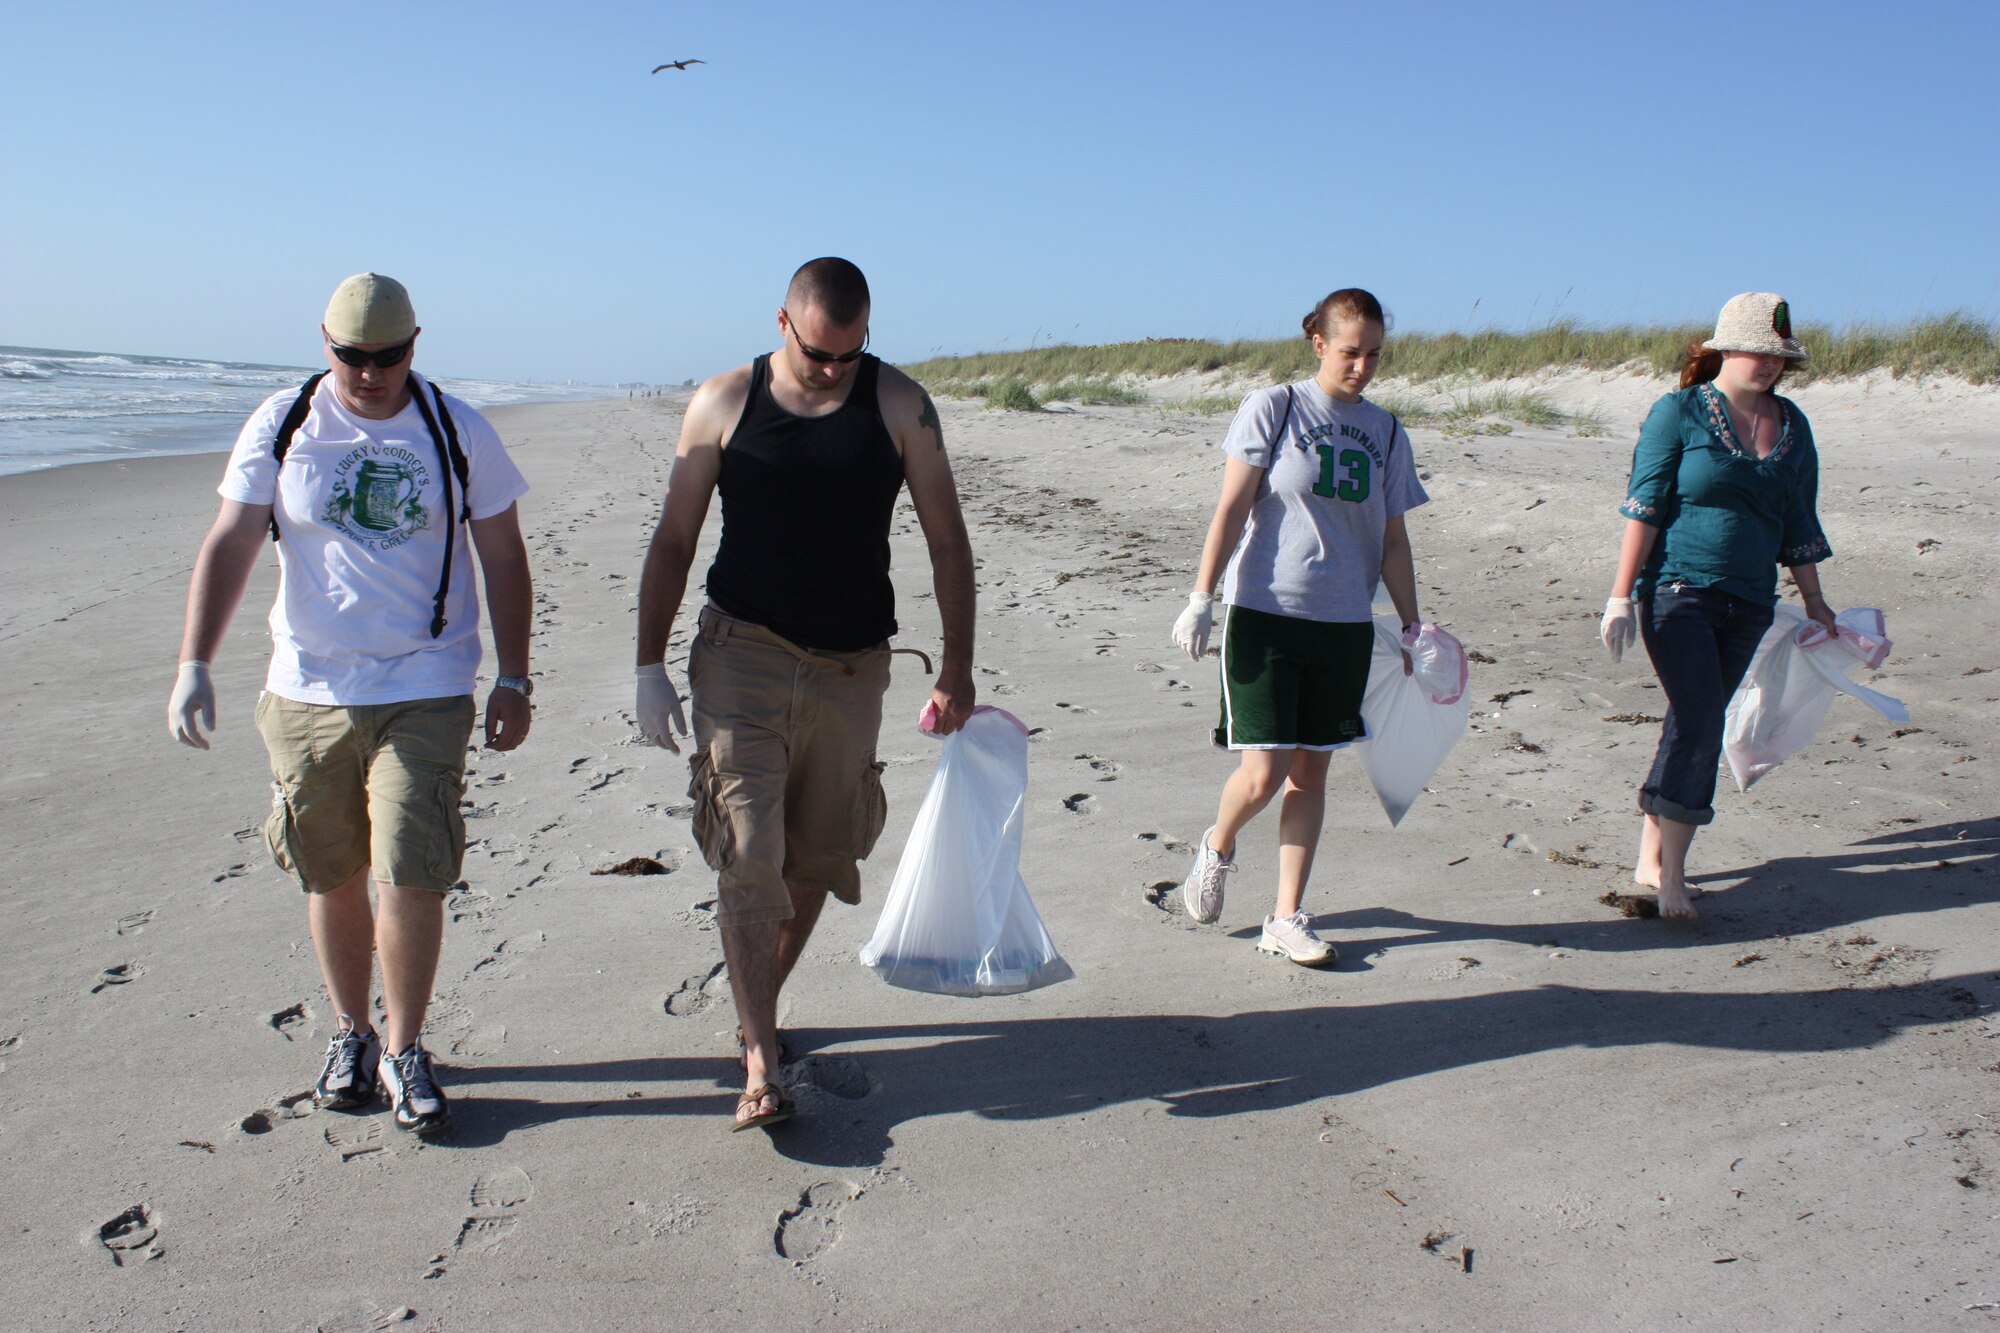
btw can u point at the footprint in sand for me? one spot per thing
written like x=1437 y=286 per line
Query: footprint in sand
x=480 y=1042
x=132 y=1237
x=468 y=904
x=266 y=1118
x=286 y=1020
x=676 y=1217
x=699 y=917
x=1073 y=708
x=1105 y=769
x=234 y=872
x=135 y=922
x=508 y=950
x=497 y=1200
x=1079 y=804
x=832 y=1075
x=1164 y=894
x=353 y=1138
x=810 y=1227
x=368 y=1317
x=697 y=994
x=118 y=975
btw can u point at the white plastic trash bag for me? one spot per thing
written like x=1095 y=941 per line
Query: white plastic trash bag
x=1414 y=720
x=1797 y=670
x=959 y=920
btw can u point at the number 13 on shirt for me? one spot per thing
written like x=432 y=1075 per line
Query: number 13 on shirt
x=1354 y=486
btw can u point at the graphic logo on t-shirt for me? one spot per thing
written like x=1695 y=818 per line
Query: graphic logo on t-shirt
x=1343 y=473
x=377 y=496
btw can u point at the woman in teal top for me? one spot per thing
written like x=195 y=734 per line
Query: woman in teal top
x=1724 y=485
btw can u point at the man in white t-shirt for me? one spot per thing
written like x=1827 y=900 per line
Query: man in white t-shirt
x=373 y=485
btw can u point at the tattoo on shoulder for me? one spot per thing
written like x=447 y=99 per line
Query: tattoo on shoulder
x=929 y=417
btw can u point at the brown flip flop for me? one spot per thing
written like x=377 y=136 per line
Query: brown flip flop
x=756 y=1097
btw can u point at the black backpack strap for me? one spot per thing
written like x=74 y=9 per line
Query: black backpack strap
x=458 y=464
x=1278 y=435
x=281 y=443
x=451 y=462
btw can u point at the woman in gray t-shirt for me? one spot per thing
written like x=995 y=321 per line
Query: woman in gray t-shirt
x=1314 y=489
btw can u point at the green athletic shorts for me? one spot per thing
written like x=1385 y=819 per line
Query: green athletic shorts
x=1292 y=684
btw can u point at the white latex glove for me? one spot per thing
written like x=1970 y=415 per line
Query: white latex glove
x=1192 y=629
x=660 y=715
x=1619 y=628
x=194 y=695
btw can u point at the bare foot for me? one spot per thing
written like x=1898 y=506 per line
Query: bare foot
x=1647 y=877
x=1675 y=903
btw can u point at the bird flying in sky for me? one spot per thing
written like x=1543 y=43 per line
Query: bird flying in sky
x=678 y=64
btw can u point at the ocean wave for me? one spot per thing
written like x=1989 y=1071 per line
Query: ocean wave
x=134 y=411
x=24 y=370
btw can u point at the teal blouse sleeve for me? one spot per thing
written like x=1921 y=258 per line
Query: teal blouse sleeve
x=1656 y=459
x=1804 y=541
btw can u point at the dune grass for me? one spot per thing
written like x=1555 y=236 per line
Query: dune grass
x=1959 y=345
x=1012 y=395
x=1207 y=405
x=1094 y=393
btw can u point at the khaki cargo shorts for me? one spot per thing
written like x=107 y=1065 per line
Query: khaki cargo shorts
x=375 y=785
x=785 y=784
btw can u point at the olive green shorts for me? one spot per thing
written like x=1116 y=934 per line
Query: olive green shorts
x=374 y=785
x=785 y=784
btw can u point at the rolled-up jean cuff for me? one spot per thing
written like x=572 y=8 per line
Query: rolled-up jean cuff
x=1652 y=803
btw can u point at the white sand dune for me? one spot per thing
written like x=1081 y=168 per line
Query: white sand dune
x=1509 y=1106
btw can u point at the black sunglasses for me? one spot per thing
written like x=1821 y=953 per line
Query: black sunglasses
x=382 y=360
x=825 y=358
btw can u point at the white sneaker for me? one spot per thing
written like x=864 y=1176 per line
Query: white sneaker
x=1201 y=891
x=1293 y=937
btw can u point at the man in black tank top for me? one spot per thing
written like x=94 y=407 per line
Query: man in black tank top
x=808 y=447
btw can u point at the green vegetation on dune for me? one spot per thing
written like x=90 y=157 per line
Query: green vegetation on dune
x=1956 y=345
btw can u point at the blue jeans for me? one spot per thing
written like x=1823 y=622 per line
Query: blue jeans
x=1701 y=642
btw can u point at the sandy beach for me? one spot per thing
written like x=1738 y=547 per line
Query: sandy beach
x=1509 y=1106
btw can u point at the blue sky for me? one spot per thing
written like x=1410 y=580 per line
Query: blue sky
x=193 y=179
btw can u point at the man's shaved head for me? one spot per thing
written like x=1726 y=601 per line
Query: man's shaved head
x=834 y=287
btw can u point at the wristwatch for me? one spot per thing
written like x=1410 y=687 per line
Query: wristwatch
x=521 y=685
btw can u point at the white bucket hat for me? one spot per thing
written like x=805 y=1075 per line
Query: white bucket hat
x=1756 y=322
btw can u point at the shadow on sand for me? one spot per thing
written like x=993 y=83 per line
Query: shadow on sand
x=1218 y=1065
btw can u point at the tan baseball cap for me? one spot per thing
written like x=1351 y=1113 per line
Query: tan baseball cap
x=1756 y=322
x=369 y=308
